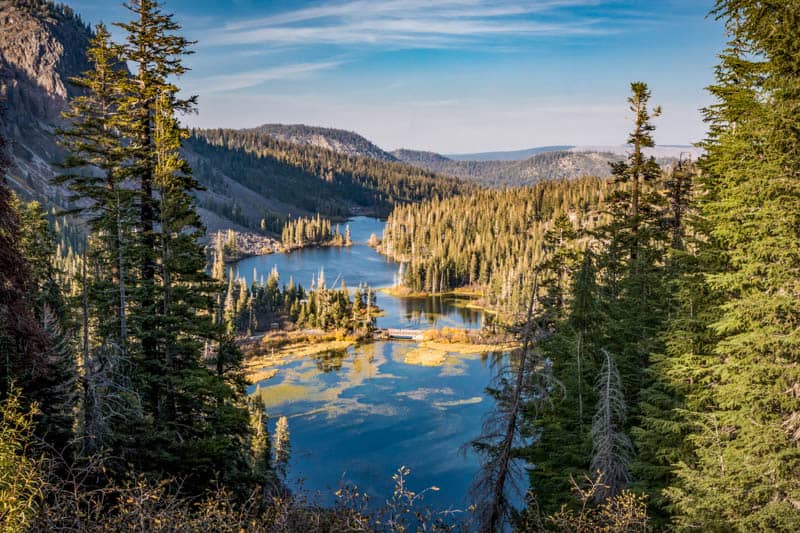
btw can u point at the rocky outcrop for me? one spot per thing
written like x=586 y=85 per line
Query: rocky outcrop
x=41 y=47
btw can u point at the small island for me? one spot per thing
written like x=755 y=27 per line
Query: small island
x=307 y=232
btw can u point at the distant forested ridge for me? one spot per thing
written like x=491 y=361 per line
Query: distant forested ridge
x=547 y=165
x=342 y=141
x=317 y=179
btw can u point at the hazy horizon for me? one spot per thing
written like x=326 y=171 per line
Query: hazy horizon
x=454 y=77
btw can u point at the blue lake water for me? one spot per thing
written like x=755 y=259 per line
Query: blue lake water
x=361 y=264
x=356 y=416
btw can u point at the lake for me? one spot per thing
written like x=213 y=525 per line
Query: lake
x=356 y=416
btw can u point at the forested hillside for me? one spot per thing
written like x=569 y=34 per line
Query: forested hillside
x=492 y=240
x=541 y=167
x=342 y=141
x=314 y=179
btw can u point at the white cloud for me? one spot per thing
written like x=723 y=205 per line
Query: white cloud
x=242 y=80
x=407 y=23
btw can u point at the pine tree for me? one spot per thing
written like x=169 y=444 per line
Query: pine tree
x=632 y=262
x=611 y=446
x=94 y=142
x=622 y=315
x=744 y=472
x=638 y=169
x=192 y=417
x=260 y=447
x=563 y=451
x=155 y=49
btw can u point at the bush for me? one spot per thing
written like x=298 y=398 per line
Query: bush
x=21 y=480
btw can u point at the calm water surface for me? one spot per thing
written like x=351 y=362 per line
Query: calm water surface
x=356 y=416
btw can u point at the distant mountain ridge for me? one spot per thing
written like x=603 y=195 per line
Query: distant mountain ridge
x=511 y=155
x=547 y=163
x=342 y=141
x=661 y=151
x=543 y=166
x=43 y=45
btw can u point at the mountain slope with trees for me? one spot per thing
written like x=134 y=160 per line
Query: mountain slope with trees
x=310 y=178
x=309 y=170
x=545 y=164
x=342 y=141
x=550 y=165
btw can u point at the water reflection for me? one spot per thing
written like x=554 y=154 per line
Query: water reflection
x=439 y=312
x=330 y=361
x=357 y=415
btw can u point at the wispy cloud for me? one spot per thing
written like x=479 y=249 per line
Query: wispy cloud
x=411 y=23
x=243 y=80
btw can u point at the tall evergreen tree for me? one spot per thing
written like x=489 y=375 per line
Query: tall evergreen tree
x=602 y=346
x=638 y=169
x=96 y=174
x=744 y=472
x=195 y=418
x=564 y=447
x=155 y=49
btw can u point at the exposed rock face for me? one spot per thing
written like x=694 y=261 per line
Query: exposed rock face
x=41 y=47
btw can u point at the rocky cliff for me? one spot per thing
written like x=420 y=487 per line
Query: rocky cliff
x=42 y=45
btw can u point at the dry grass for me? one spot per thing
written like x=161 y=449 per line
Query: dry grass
x=279 y=348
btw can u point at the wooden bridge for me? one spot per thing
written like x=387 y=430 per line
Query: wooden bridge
x=407 y=334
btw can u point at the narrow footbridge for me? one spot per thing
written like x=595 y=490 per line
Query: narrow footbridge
x=407 y=334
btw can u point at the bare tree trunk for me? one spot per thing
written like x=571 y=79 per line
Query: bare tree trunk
x=498 y=493
x=89 y=406
x=123 y=324
x=578 y=357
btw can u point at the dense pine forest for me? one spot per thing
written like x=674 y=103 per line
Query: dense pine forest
x=291 y=173
x=492 y=240
x=655 y=386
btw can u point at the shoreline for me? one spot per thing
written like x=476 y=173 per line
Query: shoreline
x=471 y=296
x=289 y=249
x=265 y=353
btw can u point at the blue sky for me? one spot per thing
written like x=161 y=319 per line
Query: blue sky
x=449 y=75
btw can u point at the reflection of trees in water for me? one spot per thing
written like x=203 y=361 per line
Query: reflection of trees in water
x=367 y=360
x=330 y=361
x=492 y=359
x=431 y=309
